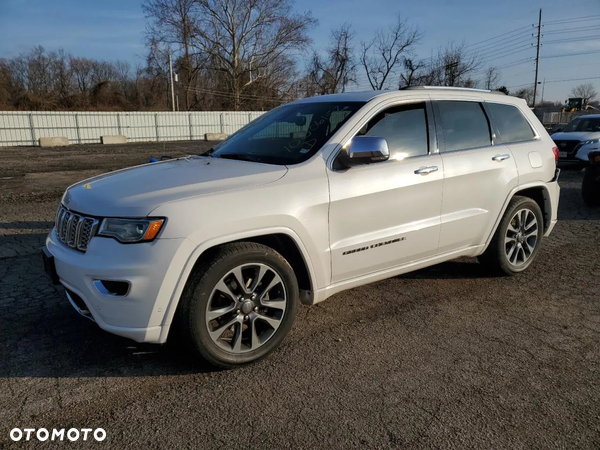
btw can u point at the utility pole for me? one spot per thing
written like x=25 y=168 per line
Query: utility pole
x=543 y=88
x=537 y=58
x=173 y=86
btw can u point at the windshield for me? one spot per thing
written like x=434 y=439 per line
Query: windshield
x=289 y=134
x=583 y=124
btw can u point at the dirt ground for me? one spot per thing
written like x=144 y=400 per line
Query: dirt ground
x=446 y=357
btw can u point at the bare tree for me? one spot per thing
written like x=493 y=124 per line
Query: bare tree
x=458 y=65
x=333 y=72
x=525 y=93
x=173 y=23
x=244 y=38
x=38 y=74
x=7 y=88
x=383 y=54
x=452 y=66
x=413 y=73
x=82 y=72
x=491 y=78
x=585 y=91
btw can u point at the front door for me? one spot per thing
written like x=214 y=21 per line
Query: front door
x=387 y=214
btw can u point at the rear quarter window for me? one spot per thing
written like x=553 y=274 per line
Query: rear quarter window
x=510 y=123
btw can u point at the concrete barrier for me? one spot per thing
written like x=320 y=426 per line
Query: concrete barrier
x=215 y=136
x=116 y=139
x=54 y=141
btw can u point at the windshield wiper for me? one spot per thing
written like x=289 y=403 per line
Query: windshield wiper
x=238 y=157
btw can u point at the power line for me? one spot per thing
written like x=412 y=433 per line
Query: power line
x=501 y=49
x=572 y=30
x=506 y=53
x=557 y=81
x=564 y=55
x=519 y=86
x=516 y=63
x=574 y=20
x=230 y=94
x=529 y=72
x=578 y=65
x=578 y=39
x=573 y=79
x=495 y=37
x=521 y=37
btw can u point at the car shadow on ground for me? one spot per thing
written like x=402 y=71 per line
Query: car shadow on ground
x=463 y=268
x=27 y=225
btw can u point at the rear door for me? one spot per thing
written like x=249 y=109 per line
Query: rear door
x=478 y=173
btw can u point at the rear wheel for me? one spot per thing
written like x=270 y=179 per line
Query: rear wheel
x=239 y=305
x=517 y=239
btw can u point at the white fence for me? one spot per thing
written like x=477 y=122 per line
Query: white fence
x=26 y=127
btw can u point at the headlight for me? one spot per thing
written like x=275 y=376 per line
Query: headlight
x=131 y=230
x=591 y=141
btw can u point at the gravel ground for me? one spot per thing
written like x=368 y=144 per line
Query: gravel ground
x=445 y=357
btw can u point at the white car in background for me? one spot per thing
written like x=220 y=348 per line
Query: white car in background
x=578 y=138
x=314 y=197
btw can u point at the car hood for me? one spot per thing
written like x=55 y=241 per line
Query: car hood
x=575 y=136
x=136 y=191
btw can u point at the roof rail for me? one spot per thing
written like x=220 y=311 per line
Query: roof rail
x=454 y=88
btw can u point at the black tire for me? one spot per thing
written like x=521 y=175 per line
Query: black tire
x=495 y=258
x=190 y=320
x=590 y=187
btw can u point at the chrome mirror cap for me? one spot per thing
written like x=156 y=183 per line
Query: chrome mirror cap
x=367 y=149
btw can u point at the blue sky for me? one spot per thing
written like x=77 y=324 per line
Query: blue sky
x=114 y=29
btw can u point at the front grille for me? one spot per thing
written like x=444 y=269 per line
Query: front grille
x=567 y=146
x=75 y=230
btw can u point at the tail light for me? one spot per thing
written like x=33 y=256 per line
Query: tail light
x=555 y=150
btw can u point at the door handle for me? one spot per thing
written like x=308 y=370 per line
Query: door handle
x=500 y=157
x=426 y=170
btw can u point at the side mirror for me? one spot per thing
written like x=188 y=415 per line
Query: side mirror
x=557 y=130
x=367 y=150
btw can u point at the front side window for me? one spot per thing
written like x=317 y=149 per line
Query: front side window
x=464 y=125
x=403 y=127
x=289 y=134
x=511 y=124
x=583 y=124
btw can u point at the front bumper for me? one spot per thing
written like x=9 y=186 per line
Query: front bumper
x=152 y=269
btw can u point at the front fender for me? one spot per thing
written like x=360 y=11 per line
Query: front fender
x=208 y=244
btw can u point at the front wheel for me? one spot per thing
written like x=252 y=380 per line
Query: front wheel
x=239 y=305
x=517 y=239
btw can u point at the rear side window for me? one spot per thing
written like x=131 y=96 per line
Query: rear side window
x=464 y=125
x=511 y=124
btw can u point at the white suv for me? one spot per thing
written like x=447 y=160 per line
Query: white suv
x=312 y=198
x=577 y=139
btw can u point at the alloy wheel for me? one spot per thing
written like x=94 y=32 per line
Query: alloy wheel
x=246 y=307
x=521 y=237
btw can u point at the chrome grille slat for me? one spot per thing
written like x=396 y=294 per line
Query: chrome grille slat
x=70 y=235
x=75 y=230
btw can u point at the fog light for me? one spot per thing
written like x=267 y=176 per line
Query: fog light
x=112 y=288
